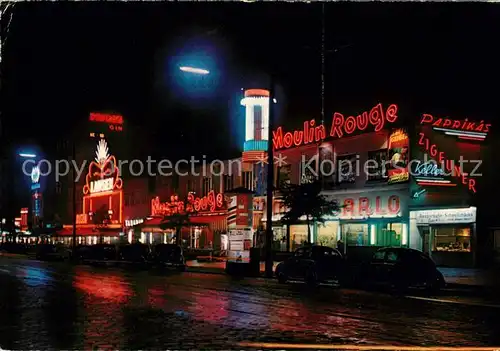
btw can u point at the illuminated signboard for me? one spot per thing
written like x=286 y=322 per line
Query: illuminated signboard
x=35 y=178
x=211 y=203
x=376 y=118
x=398 y=156
x=445 y=216
x=462 y=129
x=103 y=174
x=114 y=121
x=428 y=169
x=449 y=165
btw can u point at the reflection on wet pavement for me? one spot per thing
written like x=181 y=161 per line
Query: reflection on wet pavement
x=56 y=306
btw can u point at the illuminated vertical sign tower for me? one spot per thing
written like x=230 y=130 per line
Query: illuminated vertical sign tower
x=256 y=102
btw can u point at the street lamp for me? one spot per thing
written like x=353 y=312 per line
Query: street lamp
x=194 y=70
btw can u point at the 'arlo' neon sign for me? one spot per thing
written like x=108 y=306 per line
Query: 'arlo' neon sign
x=312 y=133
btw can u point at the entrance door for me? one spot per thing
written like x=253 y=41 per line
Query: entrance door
x=426 y=237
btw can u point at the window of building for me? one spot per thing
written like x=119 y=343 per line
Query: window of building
x=308 y=169
x=298 y=236
x=206 y=185
x=390 y=235
x=284 y=175
x=190 y=186
x=355 y=234
x=248 y=180
x=455 y=239
x=327 y=233
x=376 y=165
x=228 y=182
x=347 y=168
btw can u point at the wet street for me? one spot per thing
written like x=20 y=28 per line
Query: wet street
x=58 y=306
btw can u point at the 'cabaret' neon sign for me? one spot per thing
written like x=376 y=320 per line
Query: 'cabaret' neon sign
x=312 y=133
x=210 y=203
x=103 y=175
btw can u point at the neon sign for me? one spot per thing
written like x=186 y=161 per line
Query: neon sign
x=103 y=175
x=312 y=133
x=450 y=166
x=115 y=122
x=374 y=207
x=463 y=129
x=210 y=203
x=428 y=169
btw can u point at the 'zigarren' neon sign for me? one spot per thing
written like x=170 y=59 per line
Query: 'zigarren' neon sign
x=313 y=133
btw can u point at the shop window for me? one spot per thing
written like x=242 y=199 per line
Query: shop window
x=390 y=235
x=298 y=236
x=347 y=169
x=451 y=239
x=376 y=165
x=356 y=234
x=279 y=239
x=327 y=234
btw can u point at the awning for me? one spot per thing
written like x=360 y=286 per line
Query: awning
x=87 y=232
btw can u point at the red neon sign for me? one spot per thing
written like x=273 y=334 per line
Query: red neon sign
x=368 y=207
x=450 y=166
x=210 y=203
x=106 y=118
x=312 y=133
x=445 y=124
x=103 y=175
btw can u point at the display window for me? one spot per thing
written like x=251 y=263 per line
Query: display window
x=390 y=235
x=327 y=234
x=451 y=239
x=355 y=234
x=298 y=236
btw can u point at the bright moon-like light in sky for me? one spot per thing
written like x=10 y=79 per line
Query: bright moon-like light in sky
x=194 y=70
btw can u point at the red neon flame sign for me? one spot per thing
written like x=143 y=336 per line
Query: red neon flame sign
x=210 y=203
x=460 y=125
x=450 y=166
x=101 y=172
x=312 y=133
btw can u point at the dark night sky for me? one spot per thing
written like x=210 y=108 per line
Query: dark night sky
x=63 y=60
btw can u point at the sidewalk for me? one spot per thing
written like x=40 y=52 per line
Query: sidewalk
x=217 y=266
x=471 y=277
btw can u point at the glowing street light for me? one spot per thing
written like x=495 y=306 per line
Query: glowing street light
x=27 y=155
x=194 y=70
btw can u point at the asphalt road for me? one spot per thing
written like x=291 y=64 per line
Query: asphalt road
x=58 y=306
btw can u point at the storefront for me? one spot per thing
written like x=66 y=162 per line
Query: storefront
x=447 y=235
x=367 y=217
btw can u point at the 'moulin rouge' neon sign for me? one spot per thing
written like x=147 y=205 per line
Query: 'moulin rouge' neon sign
x=211 y=203
x=463 y=129
x=103 y=174
x=376 y=118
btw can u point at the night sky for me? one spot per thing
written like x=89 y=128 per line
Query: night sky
x=63 y=60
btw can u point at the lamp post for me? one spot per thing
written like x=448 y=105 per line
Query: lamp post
x=270 y=185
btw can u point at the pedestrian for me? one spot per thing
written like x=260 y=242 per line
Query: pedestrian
x=340 y=246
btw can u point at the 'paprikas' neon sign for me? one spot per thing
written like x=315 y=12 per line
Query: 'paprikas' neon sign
x=463 y=129
x=210 y=203
x=103 y=174
x=341 y=126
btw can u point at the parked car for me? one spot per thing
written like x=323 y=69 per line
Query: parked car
x=169 y=256
x=102 y=254
x=400 y=268
x=312 y=264
x=49 y=252
x=138 y=255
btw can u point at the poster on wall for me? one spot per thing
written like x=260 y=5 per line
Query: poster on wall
x=397 y=167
